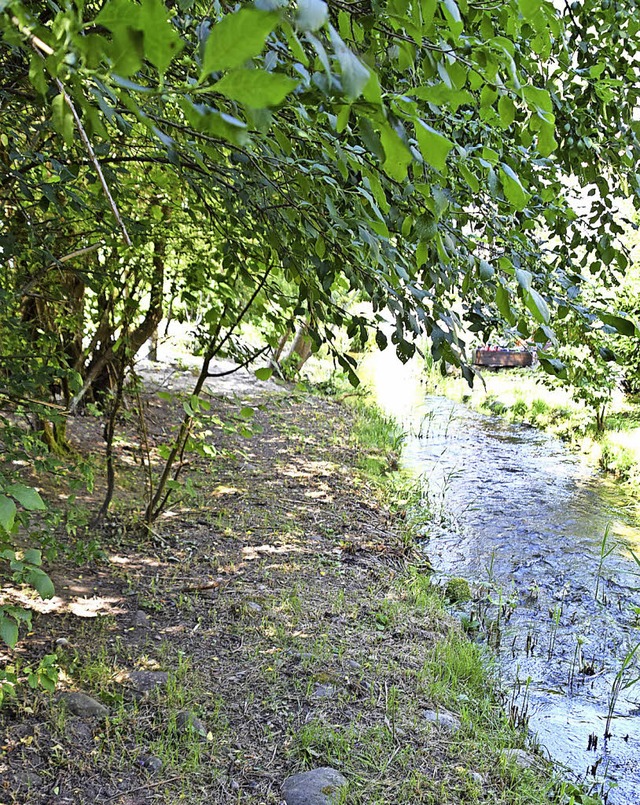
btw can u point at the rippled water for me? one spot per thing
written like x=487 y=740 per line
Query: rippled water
x=520 y=518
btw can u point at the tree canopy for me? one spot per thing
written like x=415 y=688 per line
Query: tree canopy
x=420 y=154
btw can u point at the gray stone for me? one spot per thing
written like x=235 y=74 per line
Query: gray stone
x=352 y=665
x=442 y=718
x=522 y=758
x=151 y=763
x=253 y=606
x=189 y=722
x=323 y=786
x=79 y=732
x=142 y=620
x=62 y=642
x=25 y=780
x=82 y=705
x=146 y=681
x=324 y=692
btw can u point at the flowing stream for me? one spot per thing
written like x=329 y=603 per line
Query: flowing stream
x=544 y=543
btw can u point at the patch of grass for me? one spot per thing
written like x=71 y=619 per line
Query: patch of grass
x=378 y=439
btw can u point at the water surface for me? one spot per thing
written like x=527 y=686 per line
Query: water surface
x=525 y=521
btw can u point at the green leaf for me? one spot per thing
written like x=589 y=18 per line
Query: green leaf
x=117 y=14
x=27 y=496
x=619 y=324
x=37 y=75
x=469 y=177
x=397 y=155
x=41 y=582
x=547 y=143
x=161 y=40
x=507 y=111
x=247 y=413
x=529 y=8
x=62 y=119
x=502 y=301
x=255 y=88
x=33 y=556
x=486 y=270
x=354 y=74
x=452 y=14
x=7 y=513
x=553 y=366
x=127 y=51
x=514 y=192
x=524 y=279
x=537 y=306
x=263 y=373
x=8 y=631
x=434 y=146
x=237 y=38
x=312 y=14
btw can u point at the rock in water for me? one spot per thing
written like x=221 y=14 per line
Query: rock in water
x=82 y=705
x=322 y=786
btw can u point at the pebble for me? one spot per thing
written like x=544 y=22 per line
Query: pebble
x=442 y=718
x=82 y=705
x=151 y=763
x=324 y=692
x=189 y=722
x=146 y=681
x=142 y=620
x=25 y=780
x=522 y=758
x=323 y=786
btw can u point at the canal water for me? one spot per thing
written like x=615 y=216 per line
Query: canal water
x=545 y=544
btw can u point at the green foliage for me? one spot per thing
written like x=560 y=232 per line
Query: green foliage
x=16 y=503
x=394 y=147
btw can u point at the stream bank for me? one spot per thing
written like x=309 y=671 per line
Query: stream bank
x=278 y=621
x=545 y=545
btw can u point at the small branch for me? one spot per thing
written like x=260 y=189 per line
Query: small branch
x=64 y=259
x=144 y=787
x=242 y=365
x=42 y=49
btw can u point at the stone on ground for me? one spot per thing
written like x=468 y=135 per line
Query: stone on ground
x=442 y=718
x=146 y=681
x=82 y=705
x=189 y=722
x=522 y=758
x=322 y=786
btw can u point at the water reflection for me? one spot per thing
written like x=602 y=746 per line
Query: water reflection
x=540 y=536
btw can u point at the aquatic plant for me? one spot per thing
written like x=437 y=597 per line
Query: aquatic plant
x=606 y=549
x=621 y=683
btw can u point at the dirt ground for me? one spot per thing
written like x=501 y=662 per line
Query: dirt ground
x=265 y=612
